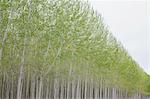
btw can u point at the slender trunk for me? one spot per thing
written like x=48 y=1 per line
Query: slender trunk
x=90 y=90
x=85 y=90
x=73 y=89
x=78 y=90
x=40 y=88
x=114 y=93
x=3 y=86
x=19 y=87
x=27 y=87
x=65 y=90
x=100 y=92
x=32 y=90
x=47 y=91
x=105 y=92
x=62 y=91
x=68 y=89
x=56 y=88
x=94 y=91
x=50 y=91
x=12 y=88
x=37 y=87
x=109 y=93
x=23 y=88
x=7 y=88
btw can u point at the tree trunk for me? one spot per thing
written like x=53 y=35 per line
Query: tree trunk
x=19 y=87
x=40 y=88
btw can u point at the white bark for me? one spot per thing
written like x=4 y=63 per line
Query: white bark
x=27 y=87
x=56 y=89
x=100 y=92
x=19 y=87
x=32 y=90
x=85 y=89
x=62 y=91
x=40 y=89
x=78 y=90
x=68 y=90
x=37 y=87
x=114 y=93
x=7 y=88
x=12 y=89
x=73 y=89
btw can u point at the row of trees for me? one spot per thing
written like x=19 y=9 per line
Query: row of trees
x=61 y=49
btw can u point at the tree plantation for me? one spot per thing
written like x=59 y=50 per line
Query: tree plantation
x=61 y=49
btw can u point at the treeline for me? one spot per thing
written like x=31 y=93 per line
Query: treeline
x=61 y=49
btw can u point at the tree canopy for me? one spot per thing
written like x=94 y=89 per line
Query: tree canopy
x=64 y=39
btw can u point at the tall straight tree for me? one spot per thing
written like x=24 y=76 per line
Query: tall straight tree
x=61 y=49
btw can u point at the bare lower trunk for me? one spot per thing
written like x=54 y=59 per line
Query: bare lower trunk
x=47 y=92
x=68 y=90
x=19 y=87
x=40 y=89
x=78 y=90
x=32 y=90
x=37 y=87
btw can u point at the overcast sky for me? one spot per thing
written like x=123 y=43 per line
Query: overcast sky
x=129 y=21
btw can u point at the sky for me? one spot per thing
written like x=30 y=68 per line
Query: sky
x=129 y=21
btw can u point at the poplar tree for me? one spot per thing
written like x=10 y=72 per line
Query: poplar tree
x=61 y=49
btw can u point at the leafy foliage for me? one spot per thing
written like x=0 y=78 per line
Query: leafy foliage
x=64 y=39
